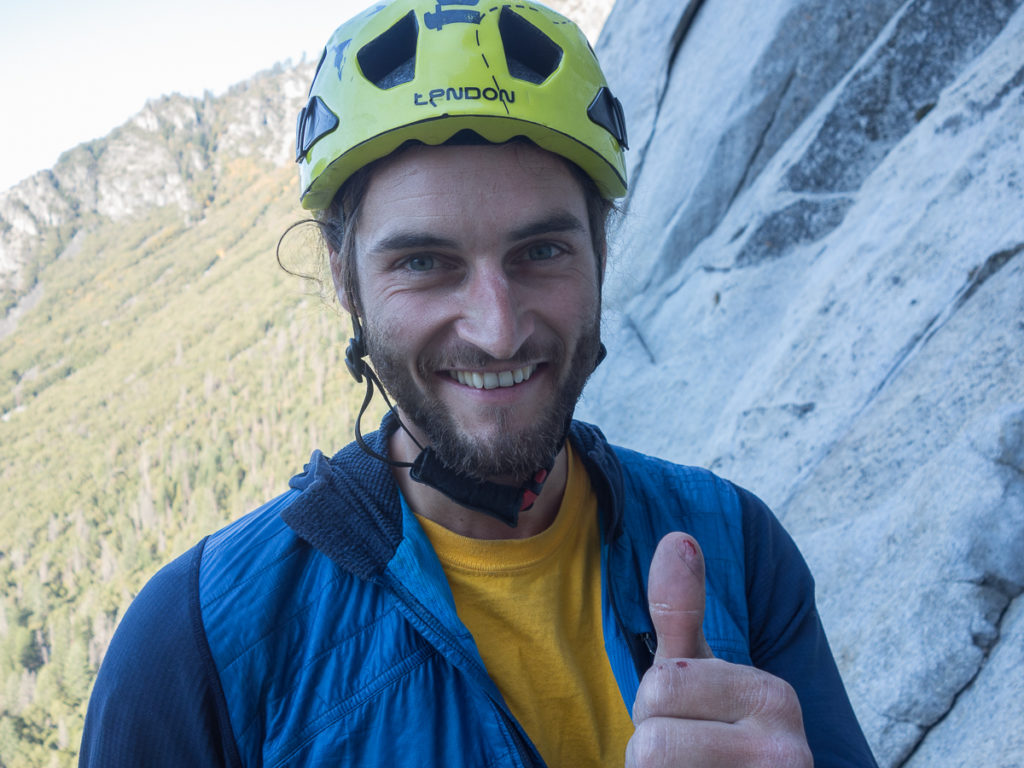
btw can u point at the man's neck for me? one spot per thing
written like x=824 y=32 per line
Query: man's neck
x=434 y=505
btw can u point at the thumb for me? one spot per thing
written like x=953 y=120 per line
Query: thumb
x=675 y=596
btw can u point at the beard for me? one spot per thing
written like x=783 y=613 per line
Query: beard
x=512 y=456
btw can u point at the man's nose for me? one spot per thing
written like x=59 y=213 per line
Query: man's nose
x=493 y=317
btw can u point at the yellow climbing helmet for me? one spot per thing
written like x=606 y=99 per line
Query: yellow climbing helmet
x=419 y=70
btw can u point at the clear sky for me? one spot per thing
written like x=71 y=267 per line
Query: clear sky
x=71 y=70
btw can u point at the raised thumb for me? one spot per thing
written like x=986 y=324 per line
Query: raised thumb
x=675 y=596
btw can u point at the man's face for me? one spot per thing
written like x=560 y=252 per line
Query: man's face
x=481 y=306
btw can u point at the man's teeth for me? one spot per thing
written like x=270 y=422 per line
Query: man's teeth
x=491 y=380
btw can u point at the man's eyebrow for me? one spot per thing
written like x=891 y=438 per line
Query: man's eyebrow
x=401 y=241
x=560 y=221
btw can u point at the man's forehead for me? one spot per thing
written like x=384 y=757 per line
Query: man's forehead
x=424 y=164
x=495 y=182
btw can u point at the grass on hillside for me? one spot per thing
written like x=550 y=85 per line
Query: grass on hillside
x=170 y=378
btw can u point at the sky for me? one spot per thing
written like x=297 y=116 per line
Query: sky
x=72 y=70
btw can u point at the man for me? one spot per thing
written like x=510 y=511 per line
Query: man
x=482 y=581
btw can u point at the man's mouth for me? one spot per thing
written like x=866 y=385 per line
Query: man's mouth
x=492 y=379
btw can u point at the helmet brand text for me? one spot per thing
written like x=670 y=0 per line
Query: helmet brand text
x=442 y=15
x=464 y=92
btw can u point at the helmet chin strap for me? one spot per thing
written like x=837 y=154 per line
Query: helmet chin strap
x=501 y=501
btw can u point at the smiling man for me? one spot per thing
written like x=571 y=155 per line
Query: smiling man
x=484 y=328
x=483 y=581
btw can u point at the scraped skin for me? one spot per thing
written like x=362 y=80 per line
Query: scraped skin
x=698 y=711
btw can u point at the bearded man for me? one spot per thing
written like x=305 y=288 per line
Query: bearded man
x=483 y=580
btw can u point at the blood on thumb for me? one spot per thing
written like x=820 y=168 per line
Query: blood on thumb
x=675 y=596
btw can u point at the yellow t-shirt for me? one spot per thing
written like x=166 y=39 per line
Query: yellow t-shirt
x=534 y=608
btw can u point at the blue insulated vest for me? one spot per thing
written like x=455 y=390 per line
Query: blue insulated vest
x=335 y=635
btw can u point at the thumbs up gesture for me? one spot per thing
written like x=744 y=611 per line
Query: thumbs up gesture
x=692 y=709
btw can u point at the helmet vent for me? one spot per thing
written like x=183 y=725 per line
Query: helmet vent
x=530 y=54
x=606 y=111
x=315 y=121
x=390 y=58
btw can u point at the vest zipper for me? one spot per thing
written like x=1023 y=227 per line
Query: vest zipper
x=527 y=755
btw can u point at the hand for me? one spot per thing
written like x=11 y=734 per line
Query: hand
x=697 y=711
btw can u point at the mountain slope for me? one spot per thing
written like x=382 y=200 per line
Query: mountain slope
x=165 y=376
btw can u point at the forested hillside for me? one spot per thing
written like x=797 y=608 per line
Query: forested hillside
x=164 y=376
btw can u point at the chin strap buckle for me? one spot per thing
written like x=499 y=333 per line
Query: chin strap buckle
x=532 y=489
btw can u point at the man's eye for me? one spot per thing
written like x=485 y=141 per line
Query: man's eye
x=420 y=263
x=542 y=251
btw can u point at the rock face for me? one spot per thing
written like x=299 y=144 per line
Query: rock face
x=170 y=153
x=818 y=292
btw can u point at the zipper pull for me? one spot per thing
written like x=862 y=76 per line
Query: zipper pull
x=649 y=642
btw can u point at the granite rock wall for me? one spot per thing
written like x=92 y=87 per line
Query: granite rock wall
x=818 y=291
